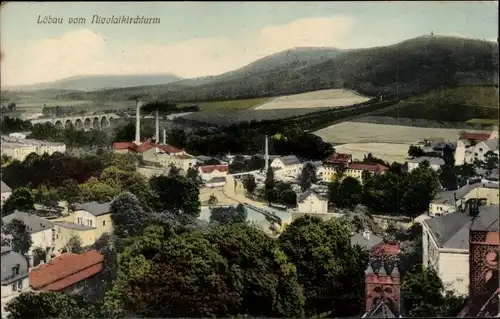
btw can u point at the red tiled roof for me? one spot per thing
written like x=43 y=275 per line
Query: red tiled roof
x=168 y=148
x=207 y=169
x=73 y=279
x=145 y=146
x=66 y=270
x=474 y=136
x=367 y=167
x=339 y=158
x=385 y=249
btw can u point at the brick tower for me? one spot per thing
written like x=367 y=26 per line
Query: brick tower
x=383 y=286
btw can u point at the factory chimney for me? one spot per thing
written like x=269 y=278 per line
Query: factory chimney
x=266 y=156
x=138 y=122
x=157 y=124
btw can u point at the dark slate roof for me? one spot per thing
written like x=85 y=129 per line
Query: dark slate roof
x=432 y=160
x=360 y=240
x=95 y=208
x=220 y=179
x=492 y=144
x=4 y=188
x=33 y=222
x=307 y=193
x=451 y=230
x=290 y=160
x=381 y=310
x=487 y=219
x=11 y=259
x=493 y=175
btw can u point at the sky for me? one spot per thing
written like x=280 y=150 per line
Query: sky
x=209 y=38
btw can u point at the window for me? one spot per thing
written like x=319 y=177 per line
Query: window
x=20 y=285
x=104 y=223
x=14 y=287
x=480 y=149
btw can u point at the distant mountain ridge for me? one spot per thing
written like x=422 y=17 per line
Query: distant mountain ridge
x=99 y=82
x=410 y=67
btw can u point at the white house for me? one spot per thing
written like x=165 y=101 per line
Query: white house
x=434 y=162
x=467 y=151
x=208 y=172
x=216 y=182
x=94 y=214
x=19 y=135
x=286 y=167
x=483 y=147
x=6 y=192
x=41 y=231
x=445 y=241
x=312 y=202
x=15 y=279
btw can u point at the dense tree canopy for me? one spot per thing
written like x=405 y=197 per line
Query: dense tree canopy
x=21 y=199
x=329 y=269
x=48 y=305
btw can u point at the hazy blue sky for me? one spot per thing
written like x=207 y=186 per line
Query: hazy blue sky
x=206 y=38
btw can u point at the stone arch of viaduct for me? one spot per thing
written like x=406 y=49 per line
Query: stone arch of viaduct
x=86 y=122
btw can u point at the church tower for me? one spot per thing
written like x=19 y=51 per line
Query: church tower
x=383 y=286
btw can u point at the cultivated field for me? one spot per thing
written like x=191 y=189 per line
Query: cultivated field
x=386 y=151
x=354 y=132
x=316 y=99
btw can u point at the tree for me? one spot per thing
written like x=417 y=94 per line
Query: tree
x=329 y=269
x=176 y=194
x=193 y=174
x=128 y=216
x=74 y=245
x=69 y=190
x=249 y=183
x=269 y=182
x=48 y=305
x=415 y=151
x=288 y=198
x=307 y=176
x=204 y=274
x=448 y=178
x=20 y=238
x=20 y=199
x=349 y=193
x=423 y=284
x=490 y=160
x=420 y=187
x=226 y=215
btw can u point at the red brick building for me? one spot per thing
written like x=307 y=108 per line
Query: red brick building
x=484 y=248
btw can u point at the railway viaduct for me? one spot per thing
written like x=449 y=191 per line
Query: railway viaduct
x=84 y=122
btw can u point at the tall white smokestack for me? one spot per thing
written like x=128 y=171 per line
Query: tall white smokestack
x=164 y=136
x=266 y=156
x=138 y=122
x=157 y=123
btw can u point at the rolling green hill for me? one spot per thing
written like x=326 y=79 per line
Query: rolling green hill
x=401 y=70
x=459 y=104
